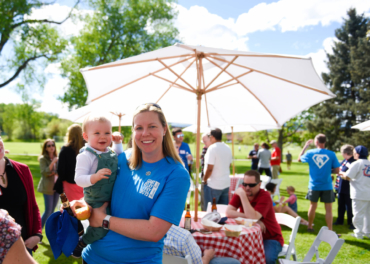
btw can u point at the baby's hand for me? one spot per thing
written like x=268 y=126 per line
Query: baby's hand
x=117 y=137
x=99 y=175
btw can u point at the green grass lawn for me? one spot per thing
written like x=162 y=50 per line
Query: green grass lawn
x=353 y=250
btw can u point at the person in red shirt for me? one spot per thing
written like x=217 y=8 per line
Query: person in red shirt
x=275 y=160
x=256 y=203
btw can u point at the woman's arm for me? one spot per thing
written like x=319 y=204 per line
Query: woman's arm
x=44 y=167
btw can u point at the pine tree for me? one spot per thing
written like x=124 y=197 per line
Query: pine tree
x=348 y=79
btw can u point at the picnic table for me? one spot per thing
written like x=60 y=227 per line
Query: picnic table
x=247 y=247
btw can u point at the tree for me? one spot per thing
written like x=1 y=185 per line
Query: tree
x=349 y=83
x=9 y=120
x=116 y=30
x=29 y=41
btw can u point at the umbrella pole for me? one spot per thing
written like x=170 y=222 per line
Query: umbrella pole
x=119 y=123
x=232 y=141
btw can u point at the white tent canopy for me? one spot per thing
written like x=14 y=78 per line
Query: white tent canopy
x=364 y=126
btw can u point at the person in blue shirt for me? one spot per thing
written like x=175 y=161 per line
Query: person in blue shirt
x=322 y=164
x=148 y=196
x=182 y=147
x=253 y=156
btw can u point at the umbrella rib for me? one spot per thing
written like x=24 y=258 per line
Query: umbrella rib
x=178 y=76
x=242 y=84
x=273 y=76
x=220 y=87
x=261 y=56
x=135 y=62
x=191 y=63
x=176 y=84
x=203 y=81
x=221 y=72
x=122 y=86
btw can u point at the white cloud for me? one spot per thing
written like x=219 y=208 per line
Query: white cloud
x=199 y=27
x=319 y=57
x=291 y=15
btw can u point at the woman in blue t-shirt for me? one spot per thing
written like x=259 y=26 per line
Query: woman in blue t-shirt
x=148 y=196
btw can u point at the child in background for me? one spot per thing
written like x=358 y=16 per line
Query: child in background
x=292 y=200
x=96 y=171
x=279 y=207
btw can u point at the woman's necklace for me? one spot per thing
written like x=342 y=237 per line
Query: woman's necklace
x=148 y=173
x=2 y=176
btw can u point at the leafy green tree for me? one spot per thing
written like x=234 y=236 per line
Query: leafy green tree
x=9 y=120
x=57 y=127
x=347 y=81
x=116 y=30
x=28 y=40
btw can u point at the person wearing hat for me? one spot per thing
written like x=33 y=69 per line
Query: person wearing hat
x=359 y=176
x=275 y=159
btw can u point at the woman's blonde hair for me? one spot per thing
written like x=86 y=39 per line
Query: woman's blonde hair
x=44 y=152
x=168 y=147
x=74 y=138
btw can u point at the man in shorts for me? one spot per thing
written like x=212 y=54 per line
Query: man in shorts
x=322 y=164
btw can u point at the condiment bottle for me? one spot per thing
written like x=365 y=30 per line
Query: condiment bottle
x=187 y=224
x=214 y=206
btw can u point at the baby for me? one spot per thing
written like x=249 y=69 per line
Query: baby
x=96 y=171
x=292 y=200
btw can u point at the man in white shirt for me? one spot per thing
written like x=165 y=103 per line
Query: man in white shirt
x=217 y=170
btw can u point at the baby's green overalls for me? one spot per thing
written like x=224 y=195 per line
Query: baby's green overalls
x=101 y=192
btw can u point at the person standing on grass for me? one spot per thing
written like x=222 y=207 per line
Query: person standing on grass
x=182 y=148
x=275 y=159
x=342 y=188
x=48 y=168
x=217 y=170
x=264 y=157
x=288 y=160
x=322 y=163
x=253 y=156
x=207 y=143
x=359 y=176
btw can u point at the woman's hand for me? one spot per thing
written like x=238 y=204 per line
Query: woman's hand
x=98 y=215
x=32 y=241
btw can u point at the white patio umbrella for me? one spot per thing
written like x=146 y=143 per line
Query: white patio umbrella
x=364 y=126
x=194 y=83
x=227 y=129
x=116 y=116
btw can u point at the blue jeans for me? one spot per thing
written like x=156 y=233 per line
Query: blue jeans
x=272 y=250
x=50 y=203
x=29 y=251
x=222 y=196
x=217 y=260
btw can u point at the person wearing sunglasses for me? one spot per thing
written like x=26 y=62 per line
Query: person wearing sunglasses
x=182 y=148
x=256 y=203
x=48 y=168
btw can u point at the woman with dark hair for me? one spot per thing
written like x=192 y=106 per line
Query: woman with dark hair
x=148 y=195
x=358 y=176
x=67 y=164
x=48 y=164
x=264 y=157
x=17 y=196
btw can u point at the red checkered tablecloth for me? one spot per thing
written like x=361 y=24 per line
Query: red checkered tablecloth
x=247 y=248
x=233 y=181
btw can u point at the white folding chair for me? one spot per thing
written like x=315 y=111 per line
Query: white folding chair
x=289 y=221
x=238 y=183
x=168 y=259
x=324 y=235
x=221 y=208
x=277 y=190
x=264 y=180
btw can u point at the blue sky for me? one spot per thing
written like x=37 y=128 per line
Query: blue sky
x=294 y=27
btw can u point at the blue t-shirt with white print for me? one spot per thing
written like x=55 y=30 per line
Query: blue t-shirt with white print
x=321 y=162
x=137 y=196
